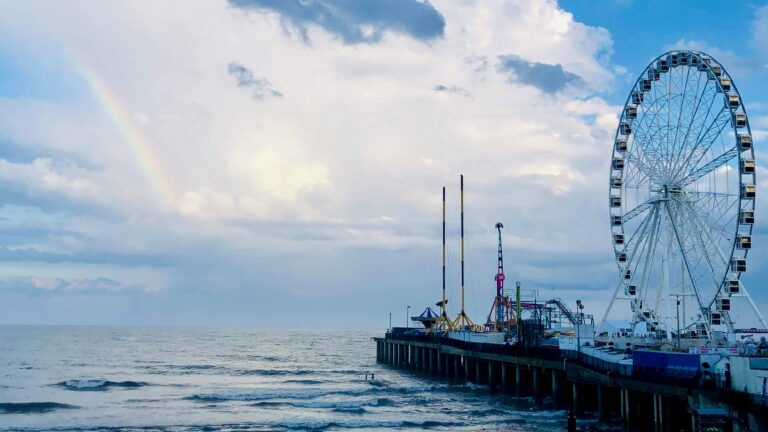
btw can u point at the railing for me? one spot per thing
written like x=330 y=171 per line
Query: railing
x=540 y=353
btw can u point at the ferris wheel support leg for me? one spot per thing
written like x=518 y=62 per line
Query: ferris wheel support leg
x=746 y=292
x=610 y=304
x=688 y=268
x=754 y=307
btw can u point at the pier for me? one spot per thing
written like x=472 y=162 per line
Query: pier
x=561 y=380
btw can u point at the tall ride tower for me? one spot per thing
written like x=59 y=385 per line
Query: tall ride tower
x=462 y=321
x=501 y=308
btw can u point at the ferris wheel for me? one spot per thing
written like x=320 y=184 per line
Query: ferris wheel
x=682 y=197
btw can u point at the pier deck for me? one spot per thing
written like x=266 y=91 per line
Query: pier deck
x=564 y=379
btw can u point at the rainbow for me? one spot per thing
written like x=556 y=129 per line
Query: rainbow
x=141 y=146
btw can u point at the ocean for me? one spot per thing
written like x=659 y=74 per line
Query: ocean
x=233 y=379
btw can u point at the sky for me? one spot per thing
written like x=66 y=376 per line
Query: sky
x=280 y=163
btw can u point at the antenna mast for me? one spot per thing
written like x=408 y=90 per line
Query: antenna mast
x=442 y=304
x=462 y=319
x=443 y=322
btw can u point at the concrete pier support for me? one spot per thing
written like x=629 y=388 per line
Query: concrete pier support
x=622 y=414
x=491 y=376
x=575 y=397
x=430 y=367
x=504 y=377
x=555 y=389
x=467 y=360
x=477 y=372
x=624 y=405
x=518 y=381
x=409 y=357
x=456 y=367
x=439 y=363
x=602 y=404
x=446 y=365
x=658 y=412
x=538 y=393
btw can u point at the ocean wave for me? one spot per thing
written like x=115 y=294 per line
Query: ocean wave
x=305 y=381
x=98 y=385
x=350 y=410
x=32 y=407
x=487 y=413
x=273 y=372
x=260 y=395
x=334 y=405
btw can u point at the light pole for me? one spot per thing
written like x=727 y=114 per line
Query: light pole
x=390 y=322
x=678 y=322
x=579 y=306
x=407 y=313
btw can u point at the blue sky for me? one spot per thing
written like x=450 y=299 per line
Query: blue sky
x=279 y=163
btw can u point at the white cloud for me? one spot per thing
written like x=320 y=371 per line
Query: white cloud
x=351 y=157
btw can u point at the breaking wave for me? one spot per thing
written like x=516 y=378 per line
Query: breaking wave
x=98 y=385
x=32 y=407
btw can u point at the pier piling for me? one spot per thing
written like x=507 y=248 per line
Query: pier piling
x=538 y=395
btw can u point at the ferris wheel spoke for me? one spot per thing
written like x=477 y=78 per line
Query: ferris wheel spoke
x=694 y=116
x=702 y=230
x=628 y=216
x=637 y=234
x=719 y=122
x=679 y=119
x=709 y=167
x=642 y=167
x=649 y=262
x=684 y=255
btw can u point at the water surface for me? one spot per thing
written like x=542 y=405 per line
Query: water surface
x=232 y=379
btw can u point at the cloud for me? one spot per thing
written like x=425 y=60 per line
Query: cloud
x=734 y=63
x=52 y=285
x=546 y=77
x=355 y=21
x=260 y=87
x=340 y=181
x=453 y=89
